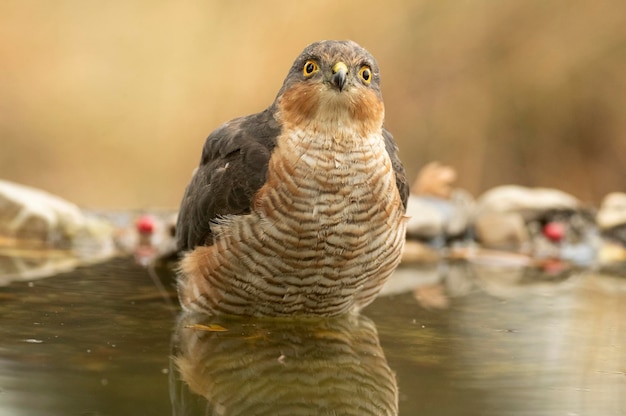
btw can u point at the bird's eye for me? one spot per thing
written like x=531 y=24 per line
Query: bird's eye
x=310 y=68
x=366 y=74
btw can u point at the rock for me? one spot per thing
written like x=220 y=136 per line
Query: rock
x=542 y=222
x=432 y=217
x=93 y=242
x=611 y=218
x=612 y=211
x=529 y=203
x=612 y=253
x=42 y=234
x=505 y=231
x=503 y=214
x=426 y=221
x=437 y=211
x=462 y=215
x=435 y=179
x=30 y=215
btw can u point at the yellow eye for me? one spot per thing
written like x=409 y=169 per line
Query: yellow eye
x=310 y=67
x=366 y=74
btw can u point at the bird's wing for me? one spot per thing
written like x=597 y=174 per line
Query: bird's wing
x=232 y=169
x=398 y=168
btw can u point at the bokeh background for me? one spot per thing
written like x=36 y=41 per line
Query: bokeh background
x=107 y=103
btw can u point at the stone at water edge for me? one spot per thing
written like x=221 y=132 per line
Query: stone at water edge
x=530 y=203
x=437 y=210
x=503 y=212
x=33 y=218
x=612 y=213
x=611 y=220
x=542 y=222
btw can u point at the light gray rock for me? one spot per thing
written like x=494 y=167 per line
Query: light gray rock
x=612 y=211
x=504 y=230
x=542 y=222
x=502 y=213
x=42 y=234
x=426 y=220
x=432 y=217
x=530 y=203
x=30 y=215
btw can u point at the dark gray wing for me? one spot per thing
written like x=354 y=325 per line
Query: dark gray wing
x=401 y=183
x=232 y=169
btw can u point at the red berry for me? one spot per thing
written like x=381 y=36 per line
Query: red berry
x=554 y=231
x=145 y=224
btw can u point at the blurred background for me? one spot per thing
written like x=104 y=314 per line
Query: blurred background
x=107 y=104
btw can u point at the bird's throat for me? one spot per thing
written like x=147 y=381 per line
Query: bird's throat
x=323 y=110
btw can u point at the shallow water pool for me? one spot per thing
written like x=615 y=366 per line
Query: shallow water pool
x=453 y=339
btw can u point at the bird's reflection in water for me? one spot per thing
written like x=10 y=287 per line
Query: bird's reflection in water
x=280 y=367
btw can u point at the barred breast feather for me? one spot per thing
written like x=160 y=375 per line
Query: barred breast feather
x=325 y=232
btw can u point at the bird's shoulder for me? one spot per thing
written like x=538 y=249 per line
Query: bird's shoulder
x=232 y=168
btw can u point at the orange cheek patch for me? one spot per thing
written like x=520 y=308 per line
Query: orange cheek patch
x=299 y=103
x=368 y=107
x=305 y=102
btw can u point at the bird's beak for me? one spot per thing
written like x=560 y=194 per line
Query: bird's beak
x=340 y=71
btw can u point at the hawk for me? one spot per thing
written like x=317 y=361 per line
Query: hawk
x=298 y=209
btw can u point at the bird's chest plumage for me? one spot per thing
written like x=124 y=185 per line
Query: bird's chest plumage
x=325 y=231
x=334 y=186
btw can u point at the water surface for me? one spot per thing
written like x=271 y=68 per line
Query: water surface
x=457 y=339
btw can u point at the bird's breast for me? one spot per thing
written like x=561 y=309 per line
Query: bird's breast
x=344 y=182
x=325 y=232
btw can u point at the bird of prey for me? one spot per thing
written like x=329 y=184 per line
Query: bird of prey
x=298 y=209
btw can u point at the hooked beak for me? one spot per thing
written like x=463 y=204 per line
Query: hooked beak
x=340 y=71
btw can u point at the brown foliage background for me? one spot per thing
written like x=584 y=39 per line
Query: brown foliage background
x=108 y=103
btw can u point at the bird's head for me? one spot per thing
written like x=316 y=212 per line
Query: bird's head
x=334 y=84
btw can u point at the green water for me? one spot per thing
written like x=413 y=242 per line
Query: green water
x=453 y=340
